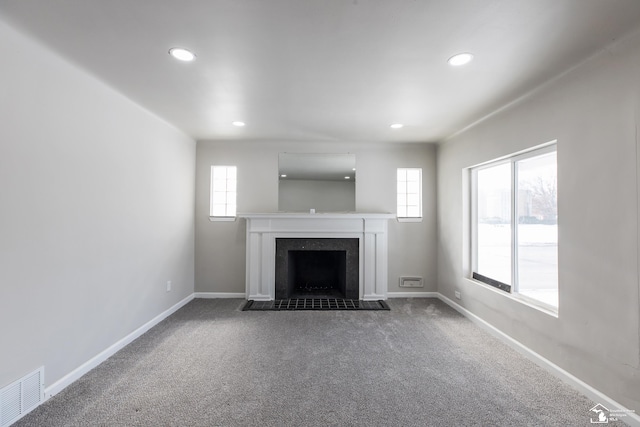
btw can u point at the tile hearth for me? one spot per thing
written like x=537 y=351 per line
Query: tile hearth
x=314 y=304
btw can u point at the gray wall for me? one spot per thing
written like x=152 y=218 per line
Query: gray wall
x=97 y=213
x=593 y=112
x=220 y=246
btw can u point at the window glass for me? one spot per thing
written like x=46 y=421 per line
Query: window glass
x=515 y=223
x=409 y=191
x=223 y=191
x=537 y=235
x=494 y=222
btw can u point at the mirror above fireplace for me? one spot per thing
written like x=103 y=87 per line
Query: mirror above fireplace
x=324 y=182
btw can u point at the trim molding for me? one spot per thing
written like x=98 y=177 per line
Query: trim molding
x=74 y=375
x=631 y=418
x=413 y=295
x=214 y=295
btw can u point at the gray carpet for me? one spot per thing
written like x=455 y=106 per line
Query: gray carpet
x=211 y=364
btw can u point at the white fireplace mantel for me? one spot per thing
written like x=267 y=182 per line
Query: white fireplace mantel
x=264 y=228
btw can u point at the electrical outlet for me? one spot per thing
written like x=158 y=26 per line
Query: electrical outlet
x=168 y=285
x=411 y=282
x=458 y=295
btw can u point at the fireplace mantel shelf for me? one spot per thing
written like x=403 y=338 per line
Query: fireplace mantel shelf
x=264 y=228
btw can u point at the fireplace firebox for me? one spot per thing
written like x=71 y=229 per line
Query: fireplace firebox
x=317 y=268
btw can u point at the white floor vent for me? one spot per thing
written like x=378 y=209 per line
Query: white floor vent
x=22 y=396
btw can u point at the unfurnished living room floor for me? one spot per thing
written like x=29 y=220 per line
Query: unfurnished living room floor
x=211 y=364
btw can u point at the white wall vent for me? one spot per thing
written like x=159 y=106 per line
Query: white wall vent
x=20 y=397
x=411 y=282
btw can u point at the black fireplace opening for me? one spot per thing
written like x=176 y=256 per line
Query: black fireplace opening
x=317 y=268
x=317 y=274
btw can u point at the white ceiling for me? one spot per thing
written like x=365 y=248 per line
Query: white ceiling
x=319 y=70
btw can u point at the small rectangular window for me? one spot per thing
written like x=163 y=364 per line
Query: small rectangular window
x=409 y=188
x=223 y=193
x=515 y=225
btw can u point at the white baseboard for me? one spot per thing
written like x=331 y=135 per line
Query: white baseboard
x=413 y=295
x=74 y=375
x=214 y=295
x=631 y=418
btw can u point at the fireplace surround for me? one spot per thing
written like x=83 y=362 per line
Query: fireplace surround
x=317 y=268
x=263 y=230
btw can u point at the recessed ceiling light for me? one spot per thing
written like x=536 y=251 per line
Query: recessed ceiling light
x=182 y=54
x=284 y=175
x=347 y=177
x=396 y=126
x=353 y=169
x=460 y=59
x=239 y=124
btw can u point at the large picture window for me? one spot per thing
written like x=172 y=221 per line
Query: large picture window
x=515 y=225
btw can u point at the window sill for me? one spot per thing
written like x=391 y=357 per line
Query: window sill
x=529 y=302
x=404 y=219
x=222 y=218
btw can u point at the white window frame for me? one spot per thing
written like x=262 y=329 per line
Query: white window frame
x=229 y=194
x=404 y=194
x=512 y=159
